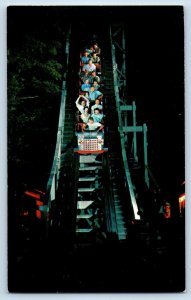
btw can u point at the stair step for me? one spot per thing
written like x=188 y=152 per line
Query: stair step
x=67 y=124
x=119 y=213
x=119 y=217
x=116 y=193
x=88 y=168
x=66 y=141
x=84 y=190
x=84 y=204
x=121 y=222
x=121 y=226
x=122 y=236
x=67 y=137
x=118 y=205
x=122 y=231
x=86 y=216
x=83 y=167
x=84 y=230
x=117 y=200
x=87 y=158
x=67 y=131
x=87 y=178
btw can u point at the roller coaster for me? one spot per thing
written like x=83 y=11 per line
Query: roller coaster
x=100 y=171
x=104 y=162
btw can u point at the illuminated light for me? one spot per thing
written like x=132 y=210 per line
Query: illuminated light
x=182 y=198
x=38 y=214
x=39 y=203
x=40 y=192
x=31 y=194
x=24 y=213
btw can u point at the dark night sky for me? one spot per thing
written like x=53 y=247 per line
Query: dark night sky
x=155 y=71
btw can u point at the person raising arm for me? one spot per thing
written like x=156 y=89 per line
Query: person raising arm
x=84 y=102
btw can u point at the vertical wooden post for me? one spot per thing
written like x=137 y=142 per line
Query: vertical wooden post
x=134 y=132
x=124 y=59
x=145 y=155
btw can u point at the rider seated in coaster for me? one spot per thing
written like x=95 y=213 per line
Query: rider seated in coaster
x=90 y=67
x=91 y=125
x=97 y=50
x=85 y=58
x=96 y=85
x=90 y=50
x=96 y=105
x=94 y=77
x=84 y=75
x=97 y=116
x=85 y=86
x=85 y=116
x=86 y=94
x=95 y=59
x=94 y=94
x=84 y=102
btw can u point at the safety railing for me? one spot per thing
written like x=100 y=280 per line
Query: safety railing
x=111 y=222
x=52 y=184
x=55 y=171
x=122 y=137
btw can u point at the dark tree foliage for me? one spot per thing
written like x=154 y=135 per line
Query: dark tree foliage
x=35 y=68
x=34 y=85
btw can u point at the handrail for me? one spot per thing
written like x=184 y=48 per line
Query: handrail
x=52 y=181
x=152 y=177
x=122 y=138
x=111 y=222
x=54 y=176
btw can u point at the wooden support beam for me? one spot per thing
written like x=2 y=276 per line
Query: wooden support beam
x=120 y=47
x=132 y=129
x=145 y=154
x=123 y=75
x=126 y=107
x=116 y=32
